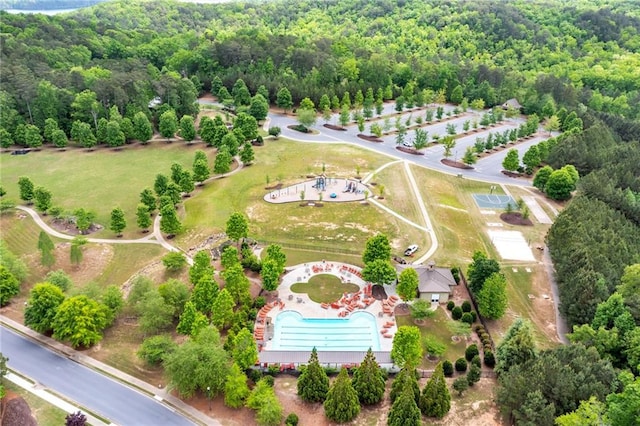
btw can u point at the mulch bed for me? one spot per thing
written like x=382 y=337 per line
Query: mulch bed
x=515 y=218
x=409 y=150
x=277 y=186
x=511 y=174
x=334 y=127
x=377 y=291
x=369 y=138
x=70 y=228
x=456 y=164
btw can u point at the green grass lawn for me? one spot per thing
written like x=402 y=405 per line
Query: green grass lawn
x=127 y=260
x=99 y=180
x=455 y=217
x=324 y=288
x=437 y=327
x=398 y=195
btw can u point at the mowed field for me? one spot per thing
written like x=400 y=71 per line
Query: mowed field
x=99 y=180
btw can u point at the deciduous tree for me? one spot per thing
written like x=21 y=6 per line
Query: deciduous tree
x=155 y=348
x=169 y=223
x=559 y=185
x=407 y=346
x=407 y=287
x=80 y=320
x=377 y=247
x=511 y=161
x=41 y=308
x=204 y=294
x=283 y=99
x=168 y=124
x=236 y=389
x=187 y=128
x=379 y=272
x=222 y=310
x=479 y=270
x=117 y=222
x=492 y=299
x=200 y=363
x=26 y=189
x=222 y=162
x=154 y=314
x=237 y=227
x=245 y=351
x=143 y=217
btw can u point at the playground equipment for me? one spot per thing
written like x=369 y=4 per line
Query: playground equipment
x=351 y=187
x=321 y=183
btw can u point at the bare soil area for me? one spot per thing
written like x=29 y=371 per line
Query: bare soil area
x=515 y=218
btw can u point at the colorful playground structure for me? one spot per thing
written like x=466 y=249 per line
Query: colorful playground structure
x=340 y=190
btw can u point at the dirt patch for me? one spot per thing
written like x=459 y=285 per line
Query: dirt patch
x=515 y=218
x=409 y=150
x=377 y=291
x=456 y=164
x=70 y=228
x=370 y=138
x=334 y=127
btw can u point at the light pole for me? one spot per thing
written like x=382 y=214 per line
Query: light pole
x=209 y=396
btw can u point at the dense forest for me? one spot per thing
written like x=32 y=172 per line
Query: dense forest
x=582 y=57
x=128 y=53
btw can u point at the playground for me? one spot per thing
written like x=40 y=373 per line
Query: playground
x=320 y=188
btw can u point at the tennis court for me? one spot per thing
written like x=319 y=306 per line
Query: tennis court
x=493 y=201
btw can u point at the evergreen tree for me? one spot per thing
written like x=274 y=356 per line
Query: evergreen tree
x=404 y=410
x=46 y=247
x=342 y=404
x=517 y=346
x=435 y=400
x=368 y=380
x=187 y=318
x=406 y=378
x=313 y=383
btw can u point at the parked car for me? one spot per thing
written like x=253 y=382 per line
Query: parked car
x=411 y=250
x=407 y=144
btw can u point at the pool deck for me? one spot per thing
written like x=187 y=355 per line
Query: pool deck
x=382 y=311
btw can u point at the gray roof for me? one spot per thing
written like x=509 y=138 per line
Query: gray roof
x=513 y=103
x=431 y=279
x=325 y=357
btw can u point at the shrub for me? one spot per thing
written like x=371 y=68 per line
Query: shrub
x=154 y=349
x=255 y=375
x=259 y=302
x=466 y=306
x=474 y=316
x=456 y=313
x=471 y=351
x=451 y=304
x=272 y=370
x=473 y=376
x=461 y=365
x=478 y=328
x=487 y=347
x=292 y=420
x=476 y=360
x=447 y=368
x=455 y=271
x=467 y=317
x=268 y=379
x=484 y=336
x=489 y=359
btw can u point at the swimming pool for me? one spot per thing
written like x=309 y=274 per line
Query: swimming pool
x=358 y=332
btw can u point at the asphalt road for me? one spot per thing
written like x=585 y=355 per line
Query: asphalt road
x=120 y=404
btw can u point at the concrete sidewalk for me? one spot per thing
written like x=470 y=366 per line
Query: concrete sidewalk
x=162 y=395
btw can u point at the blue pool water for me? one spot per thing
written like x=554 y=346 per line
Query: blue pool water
x=358 y=332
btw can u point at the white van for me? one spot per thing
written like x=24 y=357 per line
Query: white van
x=411 y=250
